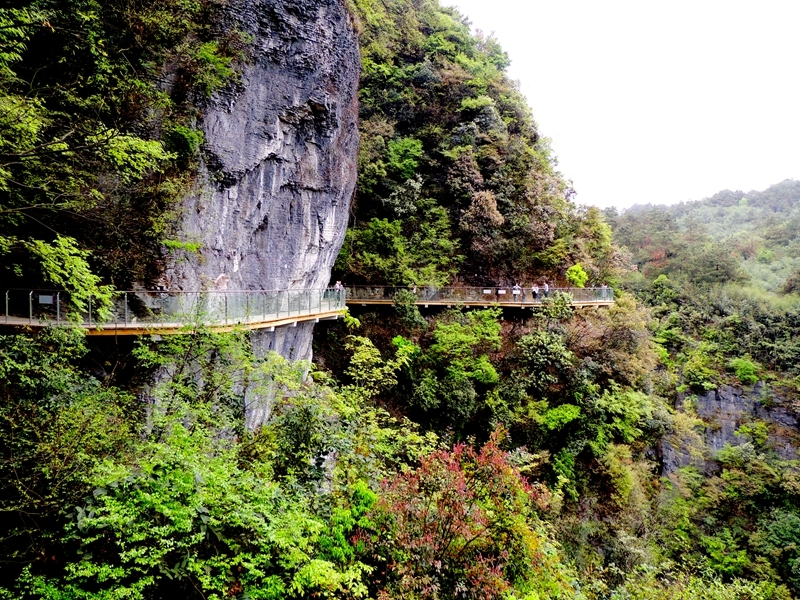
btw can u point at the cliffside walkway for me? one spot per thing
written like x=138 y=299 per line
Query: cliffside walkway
x=506 y=297
x=163 y=312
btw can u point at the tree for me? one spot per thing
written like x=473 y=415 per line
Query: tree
x=577 y=276
x=464 y=525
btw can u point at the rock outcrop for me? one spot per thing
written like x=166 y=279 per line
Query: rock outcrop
x=279 y=162
x=723 y=411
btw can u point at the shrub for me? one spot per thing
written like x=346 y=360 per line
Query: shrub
x=464 y=525
x=577 y=276
x=697 y=372
x=745 y=369
x=405 y=305
x=404 y=155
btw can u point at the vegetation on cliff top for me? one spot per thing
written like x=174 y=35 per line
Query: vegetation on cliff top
x=455 y=181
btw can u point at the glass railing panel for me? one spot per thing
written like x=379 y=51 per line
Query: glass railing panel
x=503 y=295
x=173 y=309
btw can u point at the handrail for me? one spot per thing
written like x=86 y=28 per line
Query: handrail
x=170 y=309
x=503 y=295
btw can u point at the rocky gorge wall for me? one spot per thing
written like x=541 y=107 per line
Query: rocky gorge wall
x=279 y=163
x=723 y=411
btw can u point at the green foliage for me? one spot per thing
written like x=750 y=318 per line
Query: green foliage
x=625 y=413
x=546 y=358
x=57 y=424
x=664 y=290
x=557 y=417
x=746 y=370
x=186 y=501
x=92 y=148
x=476 y=103
x=555 y=309
x=415 y=251
x=725 y=521
x=66 y=266
x=577 y=276
x=164 y=513
x=698 y=373
x=439 y=115
x=134 y=157
x=757 y=432
x=461 y=343
x=369 y=372
x=724 y=555
x=406 y=307
x=184 y=142
x=213 y=66
x=403 y=156
x=617 y=461
x=650 y=584
x=173 y=245
x=449 y=380
x=779 y=538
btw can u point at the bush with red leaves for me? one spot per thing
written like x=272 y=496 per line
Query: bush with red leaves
x=464 y=525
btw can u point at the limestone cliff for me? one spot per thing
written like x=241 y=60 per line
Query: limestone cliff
x=723 y=411
x=278 y=167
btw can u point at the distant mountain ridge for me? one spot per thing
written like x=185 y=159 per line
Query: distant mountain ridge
x=755 y=234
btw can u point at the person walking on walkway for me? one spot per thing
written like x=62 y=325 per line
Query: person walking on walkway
x=535 y=291
x=516 y=290
x=546 y=288
x=604 y=291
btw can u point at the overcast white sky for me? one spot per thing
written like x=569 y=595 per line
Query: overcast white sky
x=657 y=101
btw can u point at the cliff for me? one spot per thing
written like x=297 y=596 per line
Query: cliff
x=279 y=162
x=723 y=411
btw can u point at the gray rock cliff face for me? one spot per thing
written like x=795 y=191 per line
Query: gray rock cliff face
x=723 y=411
x=279 y=163
x=280 y=154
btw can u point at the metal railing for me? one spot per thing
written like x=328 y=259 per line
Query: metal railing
x=175 y=309
x=167 y=309
x=479 y=295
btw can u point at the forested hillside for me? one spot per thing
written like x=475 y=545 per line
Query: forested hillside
x=726 y=266
x=718 y=276
x=456 y=183
x=745 y=238
x=436 y=454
